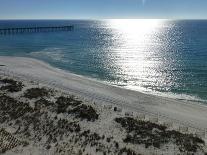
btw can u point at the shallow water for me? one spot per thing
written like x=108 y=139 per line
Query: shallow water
x=165 y=57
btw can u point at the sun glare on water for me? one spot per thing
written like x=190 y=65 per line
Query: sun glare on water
x=137 y=40
x=135 y=26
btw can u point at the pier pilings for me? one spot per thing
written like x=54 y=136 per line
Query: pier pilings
x=7 y=31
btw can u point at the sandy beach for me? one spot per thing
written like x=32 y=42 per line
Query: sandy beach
x=185 y=112
x=176 y=114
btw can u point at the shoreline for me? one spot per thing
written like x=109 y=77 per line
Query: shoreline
x=182 y=112
x=45 y=110
x=191 y=98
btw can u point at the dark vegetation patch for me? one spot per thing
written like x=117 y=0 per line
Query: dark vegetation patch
x=41 y=103
x=64 y=102
x=108 y=139
x=127 y=151
x=84 y=112
x=75 y=107
x=151 y=134
x=11 y=85
x=90 y=138
x=69 y=126
x=36 y=93
x=12 y=109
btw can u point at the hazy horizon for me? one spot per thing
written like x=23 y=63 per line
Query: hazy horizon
x=105 y=19
x=107 y=9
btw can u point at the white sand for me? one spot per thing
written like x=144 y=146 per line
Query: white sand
x=182 y=112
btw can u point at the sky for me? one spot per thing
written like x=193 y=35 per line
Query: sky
x=103 y=9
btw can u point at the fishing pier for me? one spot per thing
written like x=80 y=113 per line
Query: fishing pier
x=8 y=31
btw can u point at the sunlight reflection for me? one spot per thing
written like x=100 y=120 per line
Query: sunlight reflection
x=137 y=40
x=135 y=26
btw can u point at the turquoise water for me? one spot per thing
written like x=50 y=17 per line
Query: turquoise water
x=164 y=57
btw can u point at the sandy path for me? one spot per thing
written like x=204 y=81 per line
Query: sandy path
x=182 y=112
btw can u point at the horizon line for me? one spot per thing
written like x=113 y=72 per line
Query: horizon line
x=103 y=18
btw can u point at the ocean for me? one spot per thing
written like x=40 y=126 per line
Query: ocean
x=162 y=57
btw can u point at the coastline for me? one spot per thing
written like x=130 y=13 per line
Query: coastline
x=45 y=110
x=186 y=113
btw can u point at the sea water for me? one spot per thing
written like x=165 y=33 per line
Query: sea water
x=163 y=57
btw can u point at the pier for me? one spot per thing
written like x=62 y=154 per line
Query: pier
x=7 y=31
